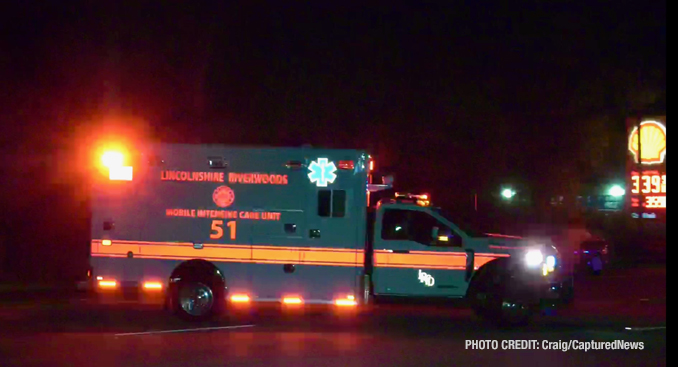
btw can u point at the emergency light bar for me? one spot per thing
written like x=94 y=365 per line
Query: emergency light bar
x=411 y=196
x=346 y=165
x=112 y=159
x=114 y=162
x=421 y=200
x=124 y=173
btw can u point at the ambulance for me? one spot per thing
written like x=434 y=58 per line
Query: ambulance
x=206 y=227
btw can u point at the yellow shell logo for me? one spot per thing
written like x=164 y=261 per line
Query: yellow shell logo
x=653 y=143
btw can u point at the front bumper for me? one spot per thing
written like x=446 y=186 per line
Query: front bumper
x=557 y=294
x=543 y=292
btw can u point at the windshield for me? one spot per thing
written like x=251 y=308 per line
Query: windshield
x=465 y=225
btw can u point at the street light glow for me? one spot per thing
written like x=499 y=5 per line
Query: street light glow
x=508 y=193
x=617 y=191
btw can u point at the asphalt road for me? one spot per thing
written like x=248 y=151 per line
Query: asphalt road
x=73 y=332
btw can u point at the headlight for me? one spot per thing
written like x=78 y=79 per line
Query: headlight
x=534 y=258
x=551 y=261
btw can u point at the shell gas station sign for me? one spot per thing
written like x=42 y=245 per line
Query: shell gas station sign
x=650 y=137
x=646 y=167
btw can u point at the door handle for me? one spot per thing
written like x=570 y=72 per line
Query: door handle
x=401 y=251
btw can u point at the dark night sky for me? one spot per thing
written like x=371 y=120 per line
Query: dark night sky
x=454 y=97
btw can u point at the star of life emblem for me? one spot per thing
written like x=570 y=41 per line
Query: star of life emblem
x=322 y=172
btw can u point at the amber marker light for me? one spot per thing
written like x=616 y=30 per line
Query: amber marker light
x=240 y=298
x=349 y=301
x=292 y=300
x=108 y=284
x=153 y=286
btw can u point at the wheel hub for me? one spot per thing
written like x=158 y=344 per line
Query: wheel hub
x=196 y=299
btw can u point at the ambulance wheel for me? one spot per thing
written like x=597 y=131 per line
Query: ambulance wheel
x=194 y=301
x=197 y=290
x=490 y=299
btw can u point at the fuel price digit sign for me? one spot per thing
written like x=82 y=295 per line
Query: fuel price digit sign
x=648 y=190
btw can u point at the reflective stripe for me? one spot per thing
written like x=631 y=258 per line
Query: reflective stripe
x=430 y=259
x=231 y=253
x=287 y=255
x=420 y=259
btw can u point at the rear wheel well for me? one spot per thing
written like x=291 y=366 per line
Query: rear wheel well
x=199 y=270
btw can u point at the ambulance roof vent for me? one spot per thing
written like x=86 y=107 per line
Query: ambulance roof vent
x=295 y=165
x=217 y=162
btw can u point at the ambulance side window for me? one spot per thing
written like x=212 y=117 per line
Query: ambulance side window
x=332 y=203
x=421 y=227
x=338 y=203
x=324 y=203
x=394 y=226
x=411 y=225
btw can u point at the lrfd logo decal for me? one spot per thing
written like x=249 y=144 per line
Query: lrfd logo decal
x=427 y=279
x=223 y=196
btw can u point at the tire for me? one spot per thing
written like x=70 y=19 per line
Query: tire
x=195 y=301
x=490 y=300
x=476 y=293
x=197 y=291
x=568 y=292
